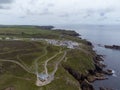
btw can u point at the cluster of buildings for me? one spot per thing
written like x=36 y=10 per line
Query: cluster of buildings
x=10 y=38
x=67 y=43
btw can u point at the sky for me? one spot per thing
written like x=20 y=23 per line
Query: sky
x=50 y=12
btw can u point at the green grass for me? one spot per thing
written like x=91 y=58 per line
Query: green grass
x=27 y=32
x=26 y=52
x=79 y=61
x=52 y=63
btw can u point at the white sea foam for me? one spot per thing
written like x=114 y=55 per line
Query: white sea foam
x=114 y=74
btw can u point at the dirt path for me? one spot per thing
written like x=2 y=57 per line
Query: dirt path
x=46 y=62
x=57 y=64
x=13 y=61
x=50 y=77
x=22 y=62
x=35 y=65
x=37 y=59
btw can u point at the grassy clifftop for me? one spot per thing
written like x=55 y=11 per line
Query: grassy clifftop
x=20 y=59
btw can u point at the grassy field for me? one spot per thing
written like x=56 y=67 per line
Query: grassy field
x=22 y=77
x=33 y=32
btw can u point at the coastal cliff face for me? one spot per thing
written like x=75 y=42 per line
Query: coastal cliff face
x=22 y=47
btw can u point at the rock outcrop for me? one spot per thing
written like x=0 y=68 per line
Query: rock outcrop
x=85 y=85
x=116 y=47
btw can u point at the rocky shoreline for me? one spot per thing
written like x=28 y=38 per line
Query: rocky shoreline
x=97 y=74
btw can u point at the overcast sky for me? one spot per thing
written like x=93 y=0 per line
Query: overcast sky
x=49 y=12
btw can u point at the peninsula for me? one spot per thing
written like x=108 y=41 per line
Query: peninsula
x=40 y=58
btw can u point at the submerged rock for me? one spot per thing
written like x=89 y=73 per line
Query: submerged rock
x=101 y=78
x=102 y=88
x=108 y=72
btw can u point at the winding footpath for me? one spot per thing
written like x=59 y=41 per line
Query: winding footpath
x=37 y=59
x=46 y=62
x=40 y=81
x=57 y=64
x=13 y=61
x=50 y=77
